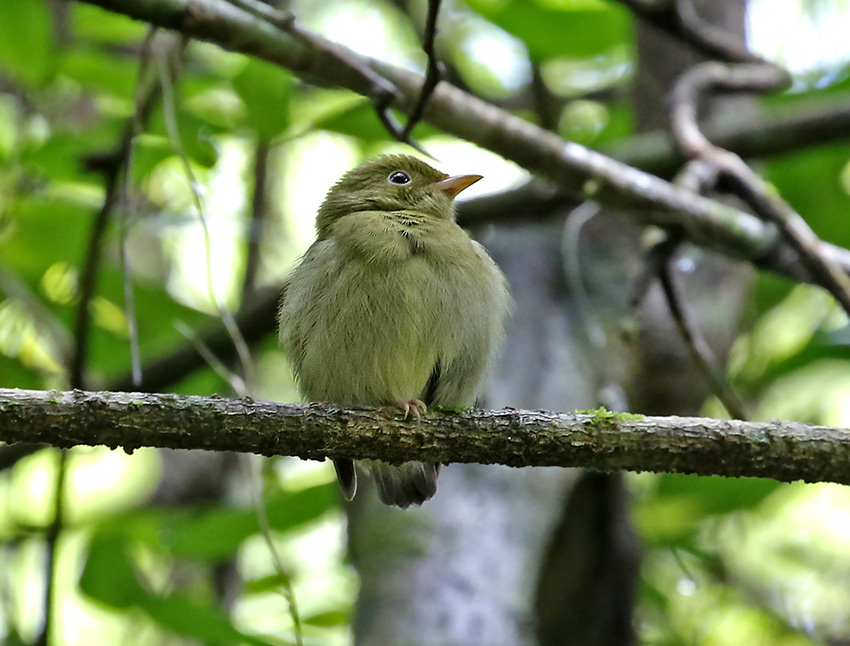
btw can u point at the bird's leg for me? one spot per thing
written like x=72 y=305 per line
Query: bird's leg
x=412 y=406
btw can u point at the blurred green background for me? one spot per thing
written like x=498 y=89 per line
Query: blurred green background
x=724 y=561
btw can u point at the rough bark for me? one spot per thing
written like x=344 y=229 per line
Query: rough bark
x=606 y=441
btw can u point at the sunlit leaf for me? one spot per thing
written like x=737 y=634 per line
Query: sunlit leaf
x=329 y=618
x=95 y=24
x=109 y=575
x=98 y=70
x=810 y=180
x=190 y=618
x=579 y=30
x=679 y=503
x=265 y=90
x=220 y=532
x=26 y=41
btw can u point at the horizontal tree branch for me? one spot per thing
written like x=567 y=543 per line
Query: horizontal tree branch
x=576 y=170
x=793 y=128
x=606 y=441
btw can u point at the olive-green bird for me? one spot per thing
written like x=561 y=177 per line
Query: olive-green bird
x=393 y=304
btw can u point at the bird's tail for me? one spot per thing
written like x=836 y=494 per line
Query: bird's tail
x=409 y=483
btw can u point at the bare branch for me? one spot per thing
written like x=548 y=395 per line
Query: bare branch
x=804 y=125
x=715 y=40
x=257 y=222
x=432 y=72
x=606 y=441
x=679 y=19
x=755 y=191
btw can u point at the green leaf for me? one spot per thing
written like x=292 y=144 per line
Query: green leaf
x=810 y=180
x=190 y=618
x=715 y=494
x=13 y=374
x=34 y=245
x=264 y=584
x=328 y=619
x=834 y=344
x=62 y=156
x=109 y=575
x=195 y=136
x=575 y=29
x=26 y=40
x=219 y=532
x=770 y=290
x=672 y=514
x=266 y=91
x=96 y=69
x=95 y=24
x=288 y=510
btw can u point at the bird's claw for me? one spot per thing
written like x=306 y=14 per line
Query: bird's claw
x=417 y=407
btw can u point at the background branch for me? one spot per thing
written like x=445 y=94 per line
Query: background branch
x=576 y=170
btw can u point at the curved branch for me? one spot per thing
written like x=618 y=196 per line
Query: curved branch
x=601 y=440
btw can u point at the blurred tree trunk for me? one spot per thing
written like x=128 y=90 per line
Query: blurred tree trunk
x=543 y=556
x=462 y=569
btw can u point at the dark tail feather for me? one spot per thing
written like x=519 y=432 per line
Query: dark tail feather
x=347 y=477
x=410 y=483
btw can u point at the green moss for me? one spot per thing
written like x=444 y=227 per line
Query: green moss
x=602 y=415
x=451 y=410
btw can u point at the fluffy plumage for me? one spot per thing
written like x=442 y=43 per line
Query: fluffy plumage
x=393 y=303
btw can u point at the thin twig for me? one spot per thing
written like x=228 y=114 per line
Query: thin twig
x=609 y=393
x=51 y=539
x=233 y=378
x=126 y=161
x=699 y=177
x=432 y=72
x=256 y=224
x=265 y=529
x=698 y=347
x=382 y=102
x=170 y=112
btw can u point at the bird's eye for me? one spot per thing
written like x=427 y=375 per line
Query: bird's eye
x=397 y=177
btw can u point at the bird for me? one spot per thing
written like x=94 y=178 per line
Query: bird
x=393 y=305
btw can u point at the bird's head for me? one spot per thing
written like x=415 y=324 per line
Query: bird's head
x=392 y=183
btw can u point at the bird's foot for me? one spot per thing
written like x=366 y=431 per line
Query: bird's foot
x=415 y=407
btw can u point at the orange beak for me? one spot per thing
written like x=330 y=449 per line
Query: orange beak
x=451 y=186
